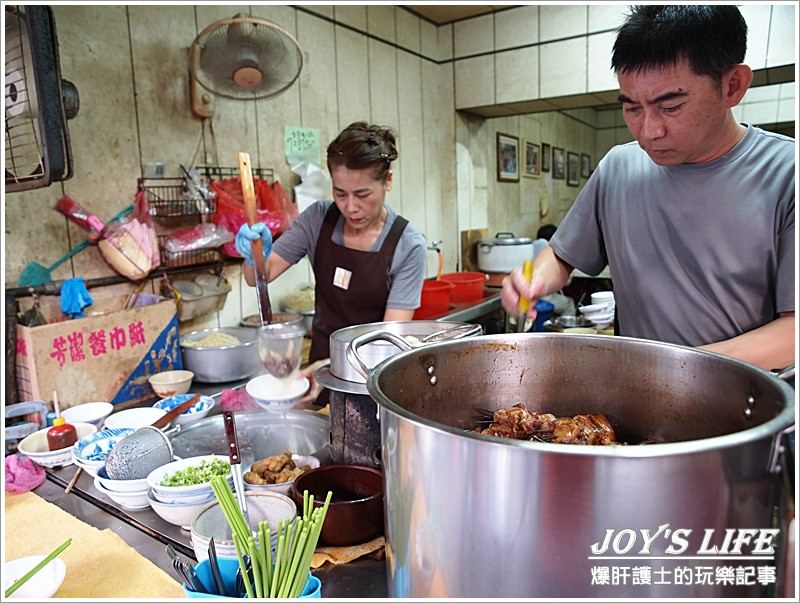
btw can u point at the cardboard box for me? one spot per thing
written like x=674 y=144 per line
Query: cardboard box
x=107 y=356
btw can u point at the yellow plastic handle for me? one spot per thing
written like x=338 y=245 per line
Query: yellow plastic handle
x=527 y=274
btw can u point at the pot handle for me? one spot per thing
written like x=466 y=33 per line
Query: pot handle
x=504 y=235
x=785 y=374
x=352 y=349
x=778 y=450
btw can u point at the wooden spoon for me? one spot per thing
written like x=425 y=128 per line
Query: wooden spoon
x=163 y=421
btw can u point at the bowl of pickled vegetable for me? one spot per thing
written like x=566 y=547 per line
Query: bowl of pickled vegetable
x=187 y=480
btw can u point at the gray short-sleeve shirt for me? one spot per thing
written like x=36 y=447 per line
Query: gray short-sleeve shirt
x=698 y=253
x=406 y=272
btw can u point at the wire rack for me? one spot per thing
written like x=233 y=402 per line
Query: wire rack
x=174 y=197
x=178 y=259
x=214 y=172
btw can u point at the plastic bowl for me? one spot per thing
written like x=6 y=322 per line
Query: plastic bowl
x=285 y=488
x=90 y=412
x=35 y=447
x=133 y=501
x=135 y=418
x=355 y=514
x=171 y=383
x=177 y=513
x=434 y=299
x=276 y=394
x=42 y=585
x=468 y=286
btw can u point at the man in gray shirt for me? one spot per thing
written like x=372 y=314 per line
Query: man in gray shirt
x=696 y=218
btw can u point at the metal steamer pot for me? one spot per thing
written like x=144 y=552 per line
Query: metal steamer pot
x=469 y=515
x=503 y=253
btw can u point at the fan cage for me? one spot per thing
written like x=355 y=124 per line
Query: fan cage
x=230 y=90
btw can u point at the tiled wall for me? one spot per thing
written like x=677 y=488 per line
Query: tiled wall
x=376 y=63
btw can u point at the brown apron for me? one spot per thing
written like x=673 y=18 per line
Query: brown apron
x=351 y=284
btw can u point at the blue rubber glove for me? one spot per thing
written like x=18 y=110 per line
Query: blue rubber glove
x=247 y=234
x=74 y=297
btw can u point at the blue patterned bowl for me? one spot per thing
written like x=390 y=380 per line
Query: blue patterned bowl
x=93 y=449
x=197 y=411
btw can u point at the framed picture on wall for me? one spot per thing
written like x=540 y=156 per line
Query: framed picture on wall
x=559 y=168
x=531 y=160
x=573 y=168
x=586 y=165
x=507 y=158
x=545 y=157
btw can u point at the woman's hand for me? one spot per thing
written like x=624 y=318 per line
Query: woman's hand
x=247 y=234
x=315 y=388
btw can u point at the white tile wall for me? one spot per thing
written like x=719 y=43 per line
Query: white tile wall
x=606 y=16
x=757 y=19
x=782 y=49
x=445 y=39
x=475 y=81
x=561 y=21
x=429 y=40
x=383 y=83
x=517 y=74
x=761 y=112
x=599 y=75
x=472 y=36
x=351 y=14
x=407 y=30
x=787 y=110
x=562 y=68
x=381 y=21
x=516 y=27
x=352 y=75
x=410 y=116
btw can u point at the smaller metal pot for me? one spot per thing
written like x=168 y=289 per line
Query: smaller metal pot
x=224 y=363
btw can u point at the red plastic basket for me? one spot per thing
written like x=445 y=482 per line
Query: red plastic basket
x=435 y=299
x=468 y=286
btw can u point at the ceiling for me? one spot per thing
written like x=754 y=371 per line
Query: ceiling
x=447 y=13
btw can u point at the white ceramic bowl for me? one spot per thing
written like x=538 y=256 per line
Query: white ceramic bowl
x=602 y=297
x=156 y=476
x=300 y=460
x=120 y=485
x=195 y=412
x=592 y=309
x=42 y=585
x=171 y=383
x=211 y=522
x=35 y=447
x=92 y=449
x=276 y=394
x=90 y=412
x=133 y=501
x=135 y=417
x=177 y=513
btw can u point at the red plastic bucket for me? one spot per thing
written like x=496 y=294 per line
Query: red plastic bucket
x=468 y=286
x=435 y=298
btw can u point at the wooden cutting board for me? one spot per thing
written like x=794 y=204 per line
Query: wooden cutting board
x=469 y=248
x=99 y=563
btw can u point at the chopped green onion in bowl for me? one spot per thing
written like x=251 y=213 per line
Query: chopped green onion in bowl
x=197 y=474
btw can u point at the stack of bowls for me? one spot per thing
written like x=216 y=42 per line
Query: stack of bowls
x=179 y=505
x=36 y=448
x=197 y=411
x=90 y=452
x=130 y=494
x=89 y=412
x=601 y=311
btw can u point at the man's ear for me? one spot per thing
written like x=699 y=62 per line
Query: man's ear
x=735 y=83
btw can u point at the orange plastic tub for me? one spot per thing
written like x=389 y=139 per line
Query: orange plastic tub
x=435 y=299
x=468 y=286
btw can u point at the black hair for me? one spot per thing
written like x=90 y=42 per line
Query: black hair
x=712 y=38
x=546 y=231
x=361 y=146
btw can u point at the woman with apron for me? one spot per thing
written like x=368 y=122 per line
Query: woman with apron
x=368 y=261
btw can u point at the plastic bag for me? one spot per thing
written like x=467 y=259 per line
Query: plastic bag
x=273 y=208
x=131 y=247
x=200 y=236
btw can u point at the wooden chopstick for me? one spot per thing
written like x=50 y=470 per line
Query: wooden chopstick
x=73 y=481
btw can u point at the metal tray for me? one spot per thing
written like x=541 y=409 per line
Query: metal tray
x=260 y=434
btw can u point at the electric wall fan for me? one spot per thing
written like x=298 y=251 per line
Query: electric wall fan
x=242 y=58
x=38 y=101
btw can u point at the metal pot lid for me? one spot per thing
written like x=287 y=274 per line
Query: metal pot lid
x=506 y=241
x=327 y=379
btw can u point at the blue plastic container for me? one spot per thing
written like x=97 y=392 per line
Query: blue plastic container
x=544 y=310
x=228 y=567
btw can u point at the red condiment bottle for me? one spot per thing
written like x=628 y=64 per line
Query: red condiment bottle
x=61 y=434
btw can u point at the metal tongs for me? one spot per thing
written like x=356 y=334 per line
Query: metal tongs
x=524 y=302
x=236 y=463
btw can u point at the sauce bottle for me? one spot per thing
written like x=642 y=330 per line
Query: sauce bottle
x=61 y=434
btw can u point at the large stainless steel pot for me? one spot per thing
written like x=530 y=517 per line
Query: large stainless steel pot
x=469 y=515
x=222 y=363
